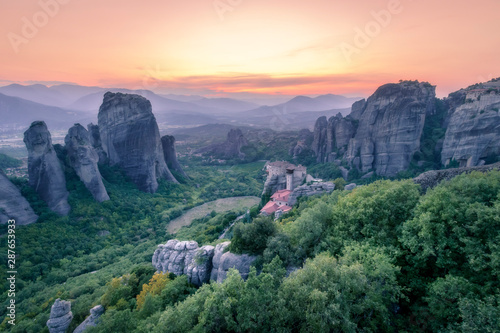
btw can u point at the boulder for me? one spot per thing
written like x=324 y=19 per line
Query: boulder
x=83 y=159
x=185 y=258
x=46 y=175
x=223 y=261
x=170 y=155
x=13 y=206
x=131 y=139
x=200 y=264
x=350 y=187
x=60 y=316
x=92 y=320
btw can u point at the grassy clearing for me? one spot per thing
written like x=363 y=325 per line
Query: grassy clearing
x=220 y=205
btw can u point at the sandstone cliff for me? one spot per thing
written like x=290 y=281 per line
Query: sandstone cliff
x=83 y=159
x=131 y=139
x=170 y=155
x=199 y=264
x=473 y=134
x=231 y=148
x=46 y=175
x=13 y=205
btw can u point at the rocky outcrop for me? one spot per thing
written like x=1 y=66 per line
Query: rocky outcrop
x=390 y=127
x=95 y=141
x=46 y=175
x=185 y=258
x=60 y=316
x=170 y=155
x=223 y=261
x=302 y=143
x=308 y=190
x=350 y=187
x=282 y=175
x=13 y=206
x=229 y=149
x=83 y=159
x=199 y=264
x=92 y=320
x=432 y=178
x=473 y=133
x=131 y=139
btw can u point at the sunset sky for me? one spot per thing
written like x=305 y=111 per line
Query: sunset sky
x=223 y=47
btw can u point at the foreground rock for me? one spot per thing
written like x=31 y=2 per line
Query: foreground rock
x=170 y=155
x=46 y=175
x=13 y=205
x=92 y=320
x=60 y=316
x=223 y=261
x=199 y=264
x=131 y=139
x=432 y=178
x=229 y=149
x=185 y=258
x=83 y=159
x=473 y=133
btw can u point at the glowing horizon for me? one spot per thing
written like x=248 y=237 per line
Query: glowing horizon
x=222 y=47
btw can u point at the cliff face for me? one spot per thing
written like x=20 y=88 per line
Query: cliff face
x=131 y=139
x=381 y=133
x=170 y=155
x=13 y=205
x=45 y=172
x=390 y=127
x=473 y=133
x=231 y=148
x=83 y=159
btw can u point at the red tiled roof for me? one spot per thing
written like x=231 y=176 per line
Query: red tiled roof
x=285 y=208
x=270 y=208
x=281 y=195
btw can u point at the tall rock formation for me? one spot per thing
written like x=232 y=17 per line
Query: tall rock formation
x=60 y=316
x=46 y=175
x=83 y=159
x=95 y=141
x=231 y=148
x=13 y=206
x=390 y=127
x=319 y=146
x=131 y=139
x=170 y=155
x=473 y=134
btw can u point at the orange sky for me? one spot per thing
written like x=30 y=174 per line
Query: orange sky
x=266 y=46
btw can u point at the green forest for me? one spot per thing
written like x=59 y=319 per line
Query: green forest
x=384 y=257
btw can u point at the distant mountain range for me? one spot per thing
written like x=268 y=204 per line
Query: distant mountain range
x=62 y=105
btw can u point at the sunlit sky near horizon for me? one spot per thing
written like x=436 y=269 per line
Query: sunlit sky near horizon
x=229 y=47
